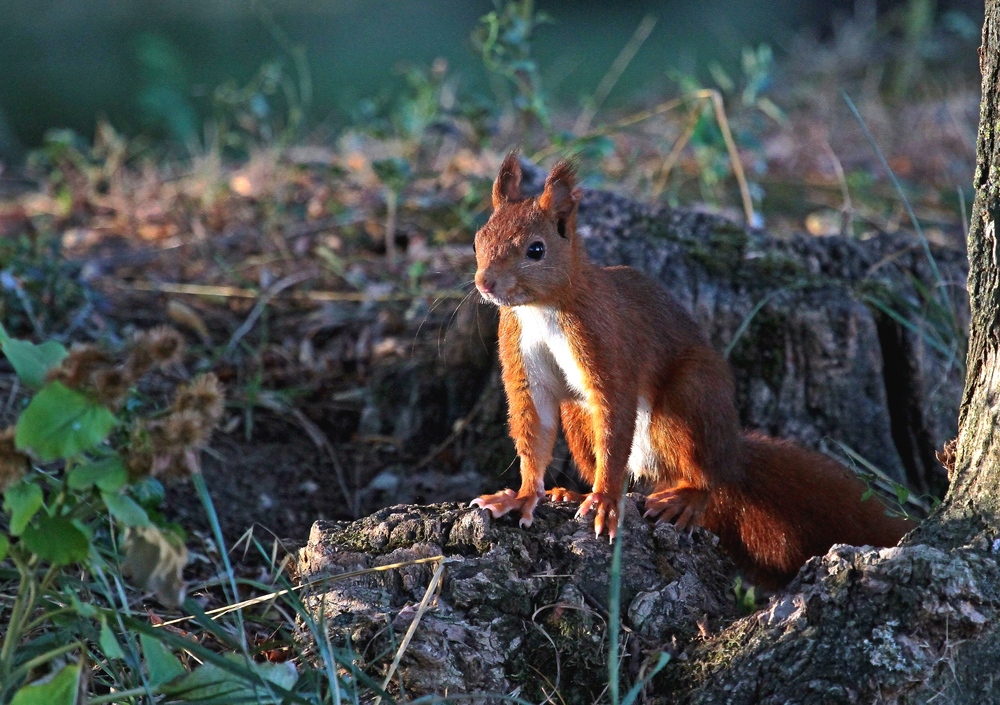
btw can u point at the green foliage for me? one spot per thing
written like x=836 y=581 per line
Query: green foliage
x=106 y=474
x=165 y=88
x=746 y=596
x=31 y=362
x=503 y=39
x=22 y=501
x=63 y=526
x=60 y=690
x=161 y=665
x=56 y=539
x=210 y=682
x=60 y=423
x=38 y=287
x=750 y=109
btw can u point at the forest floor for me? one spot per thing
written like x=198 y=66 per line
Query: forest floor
x=273 y=259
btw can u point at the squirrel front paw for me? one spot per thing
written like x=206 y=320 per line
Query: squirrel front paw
x=503 y=502
x=606 y=513
x=682 y=505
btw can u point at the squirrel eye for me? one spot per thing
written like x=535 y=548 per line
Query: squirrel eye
x=536 y=250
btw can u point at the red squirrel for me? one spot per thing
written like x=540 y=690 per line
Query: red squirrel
x=641 y=393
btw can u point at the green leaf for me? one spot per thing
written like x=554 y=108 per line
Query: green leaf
x=31 y=362
x=108 y=474
x=84 y=609
x=22 y=500
x=61 y=422
x=109 y=644
x=124 y=509
x=61 y=690
x=211 y=682
x=57 y=539
x=161 y=665
x=4 y=546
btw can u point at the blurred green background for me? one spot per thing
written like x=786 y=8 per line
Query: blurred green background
x=141 y=65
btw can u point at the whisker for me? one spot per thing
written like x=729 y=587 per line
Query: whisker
x=443 y=337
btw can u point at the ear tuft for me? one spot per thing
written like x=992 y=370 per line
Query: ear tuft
x=507 y=186
x=560 y=196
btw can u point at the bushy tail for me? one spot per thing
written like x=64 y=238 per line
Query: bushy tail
x=793 y=504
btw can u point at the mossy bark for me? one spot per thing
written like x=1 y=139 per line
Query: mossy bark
x=972 y=506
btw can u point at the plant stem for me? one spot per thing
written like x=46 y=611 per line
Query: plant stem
x=15 y=624
x=213 y=519
x=117 y=697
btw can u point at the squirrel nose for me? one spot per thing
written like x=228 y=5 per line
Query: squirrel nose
x=485 y=284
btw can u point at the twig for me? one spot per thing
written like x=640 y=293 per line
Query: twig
x=614 y=72
x=847 y=209
x=234 y=292
x=391 y=204
x=734 y=156
x=675 y=152
x=262 y=302
x=220 y=611
x=421 y=609
x=720 y=116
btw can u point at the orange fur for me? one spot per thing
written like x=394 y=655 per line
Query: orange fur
x=639 y=389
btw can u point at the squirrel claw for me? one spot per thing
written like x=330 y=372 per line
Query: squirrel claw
x=681 y=505
x=605 y=516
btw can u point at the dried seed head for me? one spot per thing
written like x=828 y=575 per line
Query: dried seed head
x=139 y=454
x=138 y=362
x=203 y=396
x=160 y=442
x=166 y=345
x=185 y=429
x=13 y=463
x=157 y=347
x=80 y=365
x=110 y=385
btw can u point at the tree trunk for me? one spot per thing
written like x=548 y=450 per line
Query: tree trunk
x=972 y=506
x=915 y=623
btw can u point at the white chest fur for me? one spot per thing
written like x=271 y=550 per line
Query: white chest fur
x=554 y=373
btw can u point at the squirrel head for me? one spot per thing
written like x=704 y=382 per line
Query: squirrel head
x=527 y=251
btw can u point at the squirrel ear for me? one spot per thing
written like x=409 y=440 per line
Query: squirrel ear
x=561 y=195
x=507 y=186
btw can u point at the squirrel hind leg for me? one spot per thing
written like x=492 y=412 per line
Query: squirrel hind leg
x=683 y=505
x=578 y=428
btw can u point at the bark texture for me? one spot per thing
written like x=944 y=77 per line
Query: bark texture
x=518 y=611
x=973 y=503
